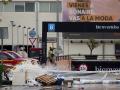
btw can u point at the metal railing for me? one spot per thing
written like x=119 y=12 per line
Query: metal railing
x=83 y=57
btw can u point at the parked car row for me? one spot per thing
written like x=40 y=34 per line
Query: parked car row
x=13 y=58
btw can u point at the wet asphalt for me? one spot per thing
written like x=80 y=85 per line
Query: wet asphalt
x=75 y=87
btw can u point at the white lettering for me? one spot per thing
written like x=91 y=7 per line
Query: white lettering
x=100 y=68
x=111 y=27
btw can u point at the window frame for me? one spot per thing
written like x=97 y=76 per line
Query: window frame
x=56 y=3
x=18 y=2
x=29 y=2
x=48 y=6
x=2 y=6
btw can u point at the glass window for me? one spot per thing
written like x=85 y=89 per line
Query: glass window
x=1 y=7
x=55 y=7
x=3 y=56
x=19 y=7
x=4 y=32
x=29 y=7
x=44 y=6
x=9 y=7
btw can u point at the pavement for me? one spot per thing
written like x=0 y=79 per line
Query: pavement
x=75 y=87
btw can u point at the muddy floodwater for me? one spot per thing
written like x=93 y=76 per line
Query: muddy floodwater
x=75 y=87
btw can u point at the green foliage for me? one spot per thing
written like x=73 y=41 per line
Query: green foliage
x=1 y=67
x=6 y=1
x=1 y=70
x=50 y=52
x=51 y=48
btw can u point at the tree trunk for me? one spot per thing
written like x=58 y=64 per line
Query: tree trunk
x=91 y=52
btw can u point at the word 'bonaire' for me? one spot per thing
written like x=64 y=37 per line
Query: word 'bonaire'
x=82 y=11
x=92 y=18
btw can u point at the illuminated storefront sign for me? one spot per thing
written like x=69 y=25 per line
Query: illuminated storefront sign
x=96 y=65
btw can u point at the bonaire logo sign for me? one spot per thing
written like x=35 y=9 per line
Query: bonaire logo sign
x=51 y=27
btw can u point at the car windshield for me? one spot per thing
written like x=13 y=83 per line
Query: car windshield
x=16 y=55
x=6 y=56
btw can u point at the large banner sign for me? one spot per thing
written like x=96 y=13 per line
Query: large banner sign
x=72 y=9
x=96 y=65
x=91 y=10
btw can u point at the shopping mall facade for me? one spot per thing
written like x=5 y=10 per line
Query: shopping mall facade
x=19 y=17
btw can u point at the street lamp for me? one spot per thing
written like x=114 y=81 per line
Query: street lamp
x=13 y=25
x=18 y=34
x=37 y=19
x=23 y=34
x=27 y=38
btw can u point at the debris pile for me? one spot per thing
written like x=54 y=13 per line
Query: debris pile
x=46 y=79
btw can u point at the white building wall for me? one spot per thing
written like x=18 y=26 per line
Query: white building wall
x=82 y=48
x=109 y=49
x=24 y=19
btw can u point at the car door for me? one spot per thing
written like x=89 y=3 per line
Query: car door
x=6 y=59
